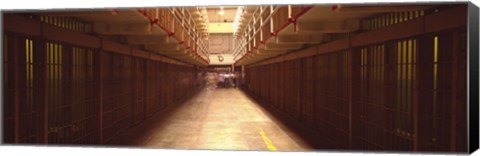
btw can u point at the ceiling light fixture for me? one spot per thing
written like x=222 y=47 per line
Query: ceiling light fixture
x=221 y=12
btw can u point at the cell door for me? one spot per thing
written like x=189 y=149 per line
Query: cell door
x=71 y=97
x=21 y=106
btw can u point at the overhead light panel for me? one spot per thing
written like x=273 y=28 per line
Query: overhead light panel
x=221 y=12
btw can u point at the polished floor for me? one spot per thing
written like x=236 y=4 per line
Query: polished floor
x=220 y=119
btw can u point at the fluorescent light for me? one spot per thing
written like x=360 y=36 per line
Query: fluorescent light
x=221 y=12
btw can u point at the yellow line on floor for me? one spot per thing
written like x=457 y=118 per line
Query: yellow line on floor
x=267 y=140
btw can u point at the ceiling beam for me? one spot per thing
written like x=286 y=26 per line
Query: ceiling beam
x=127 y=29
x=147 y=39
x=299 y=39
x=343 y=26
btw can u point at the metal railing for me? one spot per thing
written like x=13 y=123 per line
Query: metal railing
x=178 y=22
x=248 y=32
x=189 y=26
x=265 y=22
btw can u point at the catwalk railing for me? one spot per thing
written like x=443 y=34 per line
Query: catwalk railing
x=179 y=23
x=265 y=22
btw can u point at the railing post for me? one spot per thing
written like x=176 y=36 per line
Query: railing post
x=272 y=30
x=290 y=12
x=261 y=24
x=254 y=31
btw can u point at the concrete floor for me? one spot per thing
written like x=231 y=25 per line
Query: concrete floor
x=220 y=119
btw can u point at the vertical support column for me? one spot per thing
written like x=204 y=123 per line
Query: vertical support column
x=16 y=49
x=242 y=82
x=416 y=96
x=454 y=88
x=289 y=12
x=354 y=75
x=272 y=30
x=423 y=75
x=98 y=78
x=40 y=88
x=133 y=85
x=261 y=24
x=67 y=86
x=254 y=30
x=144 y=64
x=173 y=21
x=314 y=86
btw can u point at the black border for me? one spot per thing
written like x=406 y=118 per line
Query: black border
x=1 y=77
x=473 y=94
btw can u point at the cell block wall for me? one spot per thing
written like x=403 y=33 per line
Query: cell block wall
x=404 y=94
x=60 y=92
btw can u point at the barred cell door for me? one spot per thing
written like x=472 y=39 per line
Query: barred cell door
x=71 y=99
x=22 y=102
x=443 y=106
